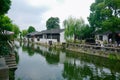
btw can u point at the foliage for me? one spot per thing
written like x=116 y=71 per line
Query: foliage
x=16 y=30
x=4 y=6
x=5 y=26
x=11 y=74
x=24 y=32
x=4 y=48
x=73 y=27
x=105 y=15
x=52 y=23
x=86 y=32
x=31 y=29
x=5 y=23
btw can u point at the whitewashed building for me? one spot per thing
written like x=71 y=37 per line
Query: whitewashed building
x=106 y=36
x=47 y=36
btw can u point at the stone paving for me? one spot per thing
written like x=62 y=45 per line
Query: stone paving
x=4 y=70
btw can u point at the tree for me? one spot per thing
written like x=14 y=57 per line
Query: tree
x=105 y=16
x=5 y=23
x=73 y=27
x=86 y=32
x=24 y=33
x=5 y=26
x=31 y=29
x=16 y=30
x=52 y=23
x=4 y=6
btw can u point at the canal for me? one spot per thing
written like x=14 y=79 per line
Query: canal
x=37 y=62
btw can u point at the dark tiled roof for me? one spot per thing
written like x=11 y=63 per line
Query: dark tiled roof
x=52 y=31
x=107 y=32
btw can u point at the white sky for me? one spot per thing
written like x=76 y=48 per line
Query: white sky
x=27 y=13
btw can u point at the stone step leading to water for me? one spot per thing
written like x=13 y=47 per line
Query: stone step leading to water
x=12 y=67
x=11 y=62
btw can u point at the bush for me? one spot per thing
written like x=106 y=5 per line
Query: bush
x=4 y=48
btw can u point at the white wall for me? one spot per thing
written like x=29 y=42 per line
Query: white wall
x=43 y=40
x=47 y=40
x=62 y=37
x=105 y=38
x=35 y=40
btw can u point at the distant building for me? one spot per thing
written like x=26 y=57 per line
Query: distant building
x=47 y=36
x=106 y=36
x=31 y=36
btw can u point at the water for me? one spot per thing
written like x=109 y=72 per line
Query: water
x=37 y=62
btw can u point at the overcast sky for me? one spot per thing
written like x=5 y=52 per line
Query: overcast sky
x=27 y=13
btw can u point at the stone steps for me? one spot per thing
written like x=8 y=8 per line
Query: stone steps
x=11 y=62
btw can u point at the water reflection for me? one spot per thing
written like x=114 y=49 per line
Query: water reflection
x=41 y=63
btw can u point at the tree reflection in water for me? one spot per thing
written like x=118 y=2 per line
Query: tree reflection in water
x=87 y=67
x=78 y=66
x=51 y=57
x=29 y=48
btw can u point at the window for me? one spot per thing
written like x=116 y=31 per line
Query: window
x=101 y=38
x=38 y=39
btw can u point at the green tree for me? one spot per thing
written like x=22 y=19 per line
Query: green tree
x=31 y=29
x=86 y=32
x=5 y=23
x=105 y=15
x=73 y=27
x=16 y=30
x=5 y=26
x=52 y=23
x=4 y=6
x=24 y=33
